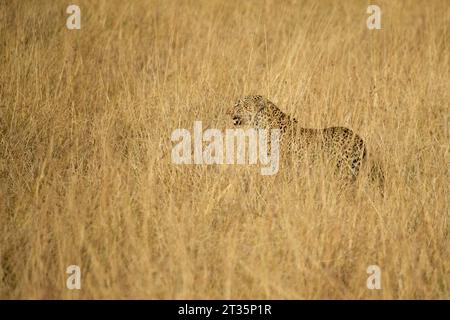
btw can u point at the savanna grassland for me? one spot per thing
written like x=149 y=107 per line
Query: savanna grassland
x=86 y=176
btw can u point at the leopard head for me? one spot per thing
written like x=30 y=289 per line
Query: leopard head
x=258 y=112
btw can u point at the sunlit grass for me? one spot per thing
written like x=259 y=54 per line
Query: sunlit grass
x=86 y=176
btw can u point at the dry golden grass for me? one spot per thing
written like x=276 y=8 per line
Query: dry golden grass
x=86 y=176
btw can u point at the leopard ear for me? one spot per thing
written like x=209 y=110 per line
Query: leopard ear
x=229 y=111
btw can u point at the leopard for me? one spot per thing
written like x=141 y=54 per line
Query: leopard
x=341 y=146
